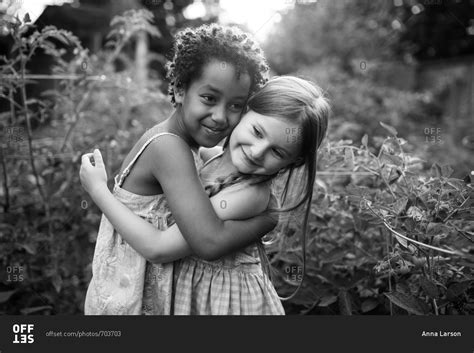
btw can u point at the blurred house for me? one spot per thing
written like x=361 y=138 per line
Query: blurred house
x=89 y=22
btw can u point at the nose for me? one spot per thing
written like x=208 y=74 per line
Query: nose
x=219 y=116
x=257 y=150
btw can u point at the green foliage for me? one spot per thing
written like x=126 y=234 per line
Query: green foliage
x=381 y=233
x=359 y=103
x=384 y=236
x=450 y=37
x=49 y=225
x=388 y=235
x=340 y=30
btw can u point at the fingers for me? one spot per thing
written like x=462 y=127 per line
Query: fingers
x=86 y=160
x=98 y=157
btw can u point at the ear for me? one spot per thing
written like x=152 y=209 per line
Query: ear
x=178 y=95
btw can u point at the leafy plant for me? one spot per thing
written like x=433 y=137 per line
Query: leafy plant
x=48 y=226
x=384 y=228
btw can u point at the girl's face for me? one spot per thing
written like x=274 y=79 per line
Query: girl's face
x=213 y=103
x=263 y=144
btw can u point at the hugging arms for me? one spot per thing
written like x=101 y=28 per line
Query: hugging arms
x=205 y=228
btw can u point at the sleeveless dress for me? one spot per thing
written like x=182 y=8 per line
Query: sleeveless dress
x=235 y=284
x=124 y=282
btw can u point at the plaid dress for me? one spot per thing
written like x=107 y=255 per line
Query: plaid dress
x=235 y=284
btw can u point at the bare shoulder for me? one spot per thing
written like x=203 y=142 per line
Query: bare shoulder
x=169 y=153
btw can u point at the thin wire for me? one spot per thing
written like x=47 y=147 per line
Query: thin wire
x=58 y=77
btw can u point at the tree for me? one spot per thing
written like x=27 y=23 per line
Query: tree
x=437 y=29
x=337 y=30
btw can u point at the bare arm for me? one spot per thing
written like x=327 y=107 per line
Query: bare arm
x=232 y=203
x=207 y=235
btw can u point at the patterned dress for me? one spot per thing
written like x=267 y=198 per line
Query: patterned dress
x=235 y=284
x=124 y=282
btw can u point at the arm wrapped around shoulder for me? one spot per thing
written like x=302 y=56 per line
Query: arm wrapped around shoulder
x=242 y=201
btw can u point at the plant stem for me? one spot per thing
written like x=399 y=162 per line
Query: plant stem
x=412 y=240
x=456 y=210
x=462 y=232
x=12 y=106
x=389 y=274
x=85 y=97
x=435 y=307
x=30 y=146
x=6 y=205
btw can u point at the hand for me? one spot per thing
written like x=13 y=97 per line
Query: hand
x=94 y=176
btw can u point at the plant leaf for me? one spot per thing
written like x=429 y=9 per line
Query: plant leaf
x=31 y=310
x=345 y=306
x=429 y=287
x=391 y=159
x=57 y=282
x=446 y=171
x=457 y=288
x=349 y=158
x=30 y=248
x=389 y=128
x=368 y=305
x=365 y=140
x=434 y=228
x=26 y=18
x=400 y=205
x=407 y=302
x=327 y=300
x=436 y=170
x=4 y=296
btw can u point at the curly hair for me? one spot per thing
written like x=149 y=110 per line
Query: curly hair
x=195 y=47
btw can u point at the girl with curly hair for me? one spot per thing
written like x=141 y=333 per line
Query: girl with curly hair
x=212 y=73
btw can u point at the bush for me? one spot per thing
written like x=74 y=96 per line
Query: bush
x=48 y=226
x=382 y=233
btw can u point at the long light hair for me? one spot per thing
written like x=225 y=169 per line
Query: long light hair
x=301 y=101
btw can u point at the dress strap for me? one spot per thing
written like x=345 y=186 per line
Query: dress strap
x=209 y=161
x=212 y=158
x=126 y=171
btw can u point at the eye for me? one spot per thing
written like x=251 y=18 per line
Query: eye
x=278 y=153
x=208 y=99
x=237 y=107
x=257 y=133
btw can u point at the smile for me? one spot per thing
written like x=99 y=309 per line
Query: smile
x=248 y=159
x=213 y=131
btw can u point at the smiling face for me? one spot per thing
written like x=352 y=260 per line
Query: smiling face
x=213 y=103
x=264 y=144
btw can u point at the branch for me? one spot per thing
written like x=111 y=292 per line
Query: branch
x=451 y=252
x=30 y=147
x=6 y=206
x=456 y=210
